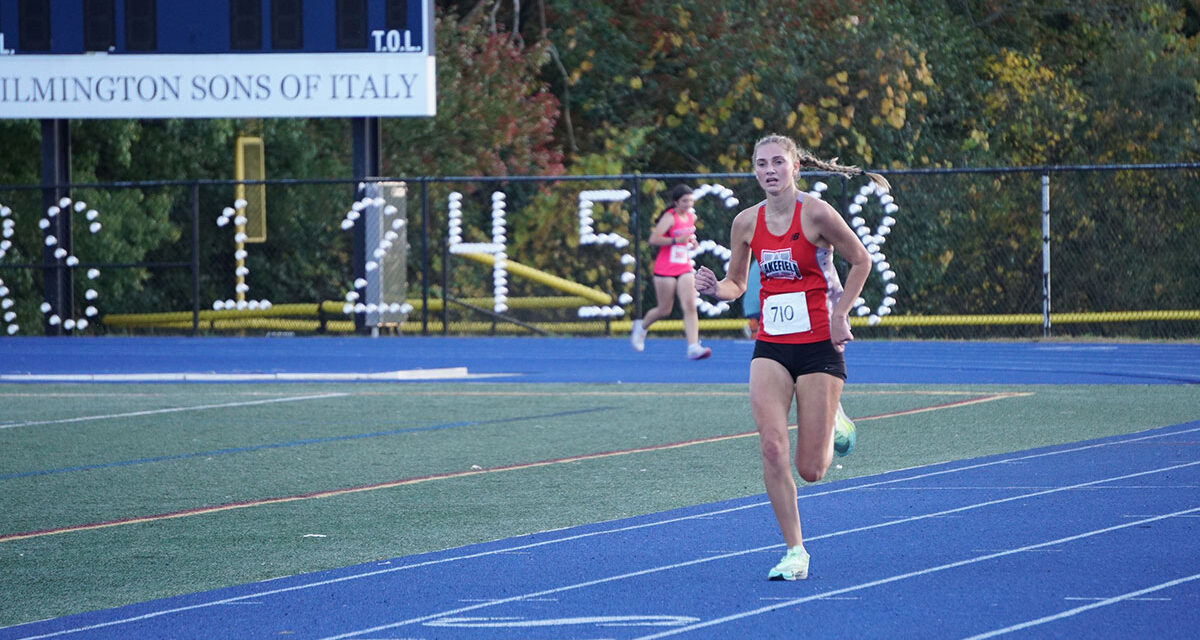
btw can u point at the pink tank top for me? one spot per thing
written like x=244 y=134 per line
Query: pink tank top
x=673 y=259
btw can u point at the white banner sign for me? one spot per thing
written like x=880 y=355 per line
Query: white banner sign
x=271 y=85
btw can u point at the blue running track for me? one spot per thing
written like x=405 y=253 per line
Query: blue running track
x=597 y=360
x=1081 y=540
x=1069 y=541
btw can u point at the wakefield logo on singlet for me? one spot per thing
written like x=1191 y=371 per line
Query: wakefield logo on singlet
x=779 y=264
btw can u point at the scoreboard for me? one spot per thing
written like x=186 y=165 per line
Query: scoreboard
x=65 y=59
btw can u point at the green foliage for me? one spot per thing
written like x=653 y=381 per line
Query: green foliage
x=495 y=116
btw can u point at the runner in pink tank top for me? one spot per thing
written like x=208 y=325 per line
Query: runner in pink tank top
x=675 y=235
x=673 y=260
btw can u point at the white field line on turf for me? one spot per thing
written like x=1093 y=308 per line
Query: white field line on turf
x=572 y=538
x=151 y=412
x=914 y=574
x=1087 y=607
x=448 y=373
x=679 y=565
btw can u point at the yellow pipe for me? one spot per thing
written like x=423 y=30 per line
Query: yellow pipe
x=566 y=286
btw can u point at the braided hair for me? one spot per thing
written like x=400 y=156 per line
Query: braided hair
x=806 y=159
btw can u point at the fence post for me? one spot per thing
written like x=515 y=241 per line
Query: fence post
x=445 y=282
x=56 y=184
x=366 y=145
x=1045 y=255
x=635 y=227
x=425 y=258
x=195 y=259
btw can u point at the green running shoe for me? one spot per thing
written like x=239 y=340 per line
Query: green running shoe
x=843 y=432
x=793 y=566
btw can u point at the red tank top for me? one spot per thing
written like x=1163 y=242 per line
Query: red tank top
x=796 y=286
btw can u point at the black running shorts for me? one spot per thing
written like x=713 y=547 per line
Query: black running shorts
x=802 y=359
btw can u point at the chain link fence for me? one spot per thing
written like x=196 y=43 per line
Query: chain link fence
x=959 y=254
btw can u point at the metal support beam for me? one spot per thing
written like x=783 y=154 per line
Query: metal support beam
x=367 y=166
x=1045 y=255
x=56 y=179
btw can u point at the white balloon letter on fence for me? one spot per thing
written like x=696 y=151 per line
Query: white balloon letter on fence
x=873 y=240
x=497 y=248
x=65 y=207
x=721 y=252
x=237 y=215
x=7 y=223
x=588 y=235
x=376 y=209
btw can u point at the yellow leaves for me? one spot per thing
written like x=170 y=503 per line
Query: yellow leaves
x=946 y=258
x=1030 y=108
x=635 y=83
x=977 y=138
x=838 y=82
x=759 y=124
x=923 y=74
x=828 y=103
x=791 y=119
x=686 y=105
x=683 y=17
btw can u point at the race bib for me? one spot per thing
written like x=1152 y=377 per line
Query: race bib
x=679 y=254
x=785 y=313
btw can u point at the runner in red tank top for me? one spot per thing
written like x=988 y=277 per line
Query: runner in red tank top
x=805 y=326
x=793 y=268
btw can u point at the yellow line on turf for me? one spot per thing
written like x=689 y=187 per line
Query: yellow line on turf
x=463 y=474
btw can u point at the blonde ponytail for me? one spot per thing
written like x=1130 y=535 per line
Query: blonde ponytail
x=806 y=159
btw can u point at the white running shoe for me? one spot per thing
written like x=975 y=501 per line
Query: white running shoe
x=844 y=433
x=637 y=336
x=793 y=566
x=698 y=352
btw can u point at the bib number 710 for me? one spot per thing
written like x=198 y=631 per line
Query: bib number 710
x=785 y=313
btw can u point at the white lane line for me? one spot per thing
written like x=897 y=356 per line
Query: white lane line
x=151 y=412
x=447 y=373
x=679 y=565
x=944 y=567
x=580 y=536
x=1133 y=599
x=1132 y=595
